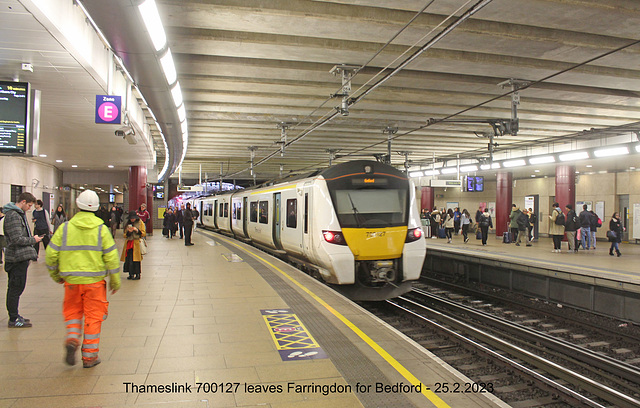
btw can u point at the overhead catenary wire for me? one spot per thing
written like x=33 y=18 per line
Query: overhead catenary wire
x=465 y=16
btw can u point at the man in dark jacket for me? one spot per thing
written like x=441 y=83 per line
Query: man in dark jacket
x=523 y=222
x=179 y=220
x=41 y=225
x=585 y=227
x=19 y=252
x=187 y=220
x=570 y=227
x=596 y=223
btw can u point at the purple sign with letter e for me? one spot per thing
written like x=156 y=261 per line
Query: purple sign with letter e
x=108 y=109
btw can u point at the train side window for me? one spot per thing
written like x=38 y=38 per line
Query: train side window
x=209 y=210
x=292 y=213
x=306 y=213
x=239 y=212
x=253 y=211
x=233 y=211
x=226 y=209
x=264 y=212
x=221 y=210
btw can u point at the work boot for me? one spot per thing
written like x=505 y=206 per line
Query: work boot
x=92 y=362
x=71 y=348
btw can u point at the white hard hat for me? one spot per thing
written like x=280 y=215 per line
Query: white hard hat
x=88 y=200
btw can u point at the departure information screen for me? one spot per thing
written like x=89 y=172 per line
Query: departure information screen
x=14 y=102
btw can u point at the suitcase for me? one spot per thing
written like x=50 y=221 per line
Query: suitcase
x=442 y=233
x=479 y=234
x=506 y=238
x=427 y=232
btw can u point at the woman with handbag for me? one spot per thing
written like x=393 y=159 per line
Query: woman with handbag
x=134 y=246
x=615 y=233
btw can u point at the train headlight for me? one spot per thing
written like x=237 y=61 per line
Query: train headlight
x=414 y=234
x=334 y=237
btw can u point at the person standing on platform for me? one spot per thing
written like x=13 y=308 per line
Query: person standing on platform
x=435 y=223
x=479 y=214
x=2 y=240
x=523 y=222
x=570 y=227
x=41 y=226
x=59 y=218
x=114 y=220
x=615 y=233
x=196 y=215
x=82 y=253
x=485 y=223
x=556 y=227
x=143 y=214
x=533 y=218
x=169 y=223
x=180 y=220
x=585 y=227
x=596 y=223
x=465 y=219
x=513 y=222
x=456 y=220
x=449 y=224
x=134 y=231
x=19 y=252
x=187 y=220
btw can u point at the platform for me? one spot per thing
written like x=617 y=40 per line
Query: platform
x=591 y=280
x=218 y=312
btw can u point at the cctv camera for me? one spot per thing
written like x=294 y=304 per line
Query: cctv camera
x=124 y=131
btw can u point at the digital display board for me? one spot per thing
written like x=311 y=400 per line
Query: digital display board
x=14 y=104
x=475 y=183
x=158 y=191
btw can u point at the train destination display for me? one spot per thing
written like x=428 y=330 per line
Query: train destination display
x=14 y=104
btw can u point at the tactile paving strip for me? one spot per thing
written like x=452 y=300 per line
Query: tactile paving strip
x=354 y=366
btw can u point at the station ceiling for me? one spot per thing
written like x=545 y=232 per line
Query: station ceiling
x=248 y=66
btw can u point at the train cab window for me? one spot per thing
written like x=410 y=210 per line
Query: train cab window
x=253 y=211
x=239 y=211
x=292 y=213
x=221 y=210
x=264 y=212
x=226 y=209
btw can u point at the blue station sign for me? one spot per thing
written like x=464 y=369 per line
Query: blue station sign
x=108 y=109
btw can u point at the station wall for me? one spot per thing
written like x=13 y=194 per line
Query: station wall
x=594 y=187
x=34 y=176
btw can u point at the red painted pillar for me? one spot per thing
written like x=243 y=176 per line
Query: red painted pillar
x=566 y=186
x=137 y=187
x=427 y=200
x=503 y=202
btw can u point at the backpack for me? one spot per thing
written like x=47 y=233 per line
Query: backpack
x=522 y=220
x=560 y=218
x=599 y=222
x=484 y=221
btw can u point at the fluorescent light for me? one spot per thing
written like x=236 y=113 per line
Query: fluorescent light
x=536 y=171
x=151 y=17
x=182 y=114
x=542 y=160
x=110 y=166
x=588 y=166
x=58 y=161
x=574 y=156
x=416 y=174
x=449 y=170
x=168 y=67
x=611 y=151
x=431 y=172
x=466 y=169
x=485 y=166
x=42 y=155
x=495 y=165
x=533 y=175
x=514 y=163
x=176 y=92
x=74 y=165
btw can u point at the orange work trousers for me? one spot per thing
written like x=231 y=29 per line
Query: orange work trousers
x=89 y=300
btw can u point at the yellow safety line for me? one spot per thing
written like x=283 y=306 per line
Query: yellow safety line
x=426 y=391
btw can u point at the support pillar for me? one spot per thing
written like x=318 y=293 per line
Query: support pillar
x=427 y=199
x=504 y=200
x=566 y=186
x=137 y=187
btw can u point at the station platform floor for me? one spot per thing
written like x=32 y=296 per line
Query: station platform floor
x=593 y=263
x=230 y=318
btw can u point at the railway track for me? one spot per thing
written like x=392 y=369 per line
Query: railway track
x=551 y=372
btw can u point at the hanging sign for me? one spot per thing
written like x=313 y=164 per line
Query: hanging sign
x=108 y=109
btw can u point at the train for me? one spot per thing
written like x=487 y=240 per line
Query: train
x=354 y=225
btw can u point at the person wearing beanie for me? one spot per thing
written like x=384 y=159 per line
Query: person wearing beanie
x=80 y=255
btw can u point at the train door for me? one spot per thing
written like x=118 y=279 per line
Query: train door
x=200 y=212
x=277 y=220
x=623 y=205
x=532 y=202
x=215 y=214
x=245 y=219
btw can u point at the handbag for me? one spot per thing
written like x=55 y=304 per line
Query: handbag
x=143 y=246
x=612 y=235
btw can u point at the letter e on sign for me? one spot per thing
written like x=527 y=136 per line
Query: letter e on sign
x=108 y=109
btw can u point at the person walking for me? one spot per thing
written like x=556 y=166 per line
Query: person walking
x=19 y=252
x=41 y=226
x=59 y=218
x=449 y=224
x=513 y=222
x=465 y=219
x=180 y=220
x=585 y=227
x=485 y=223
x=570 y=228
x=113 y=220
x=134 y=231
x=533 y=219
x=596 y=223
x=556 y=227
x=456 y=220
x=82 y=253
x=187 y=220
x=615 y=233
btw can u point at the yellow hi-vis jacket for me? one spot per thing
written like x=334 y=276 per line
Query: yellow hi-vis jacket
x=82 y=251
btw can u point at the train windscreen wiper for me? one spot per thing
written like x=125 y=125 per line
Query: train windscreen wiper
x=356 y=213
